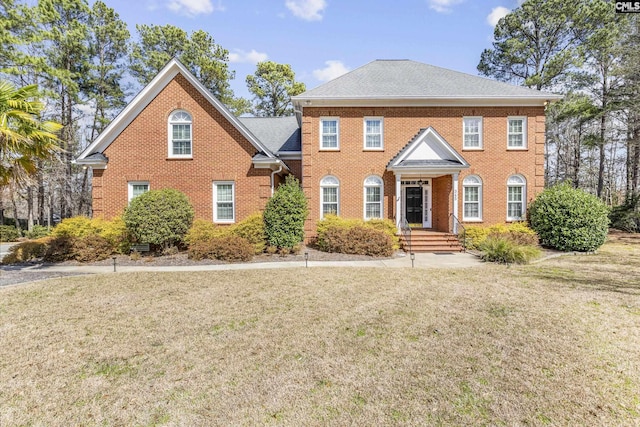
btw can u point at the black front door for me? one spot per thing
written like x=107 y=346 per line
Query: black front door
x=413 y=205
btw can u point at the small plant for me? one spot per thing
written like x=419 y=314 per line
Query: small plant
x=225 y=248
x=38 y=231
x=252 y=229
x=91 y=248
x=517 y=232
x=569 y=219
x=26 y=251
x=358 y=240
x=8 y=233
x=115 y=232
x=272 y=250
x=285 y=214
x=203 y=230
x=332 y=221
x=135 y=256
x=159 y=217
x=504 y=251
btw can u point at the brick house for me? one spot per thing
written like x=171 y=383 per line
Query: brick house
x=393 y=139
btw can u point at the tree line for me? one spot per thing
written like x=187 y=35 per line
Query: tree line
x=591 y=54
x=83 y=64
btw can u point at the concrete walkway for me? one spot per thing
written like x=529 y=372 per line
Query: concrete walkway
x=422 y=260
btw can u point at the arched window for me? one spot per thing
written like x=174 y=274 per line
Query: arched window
x=180 y=134
x=516 y=196
x=373 y=191
x=329 y=196
x=472 y=198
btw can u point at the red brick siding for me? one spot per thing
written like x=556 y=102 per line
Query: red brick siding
x=220 y=152
x=352 y=164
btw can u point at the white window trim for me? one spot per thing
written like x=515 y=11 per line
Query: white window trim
x=480 y=139
x=364 y=197
x=364 y=133
x=523 y=185
x=215 y=202
x=322 y=187
x=170 y=124
x=524 y=132
x=130 y=185
x=337 y=120
x=480 y=195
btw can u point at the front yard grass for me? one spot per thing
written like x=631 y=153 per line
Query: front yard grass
x=554 y=343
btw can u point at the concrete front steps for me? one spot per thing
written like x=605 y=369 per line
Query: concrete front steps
x=431 y=241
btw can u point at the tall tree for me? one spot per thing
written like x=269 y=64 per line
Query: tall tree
x=24 y=137
x=207 y=60
x=273 y=85
x=534 y=45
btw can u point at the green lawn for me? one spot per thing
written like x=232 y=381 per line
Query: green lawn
x=554 y=343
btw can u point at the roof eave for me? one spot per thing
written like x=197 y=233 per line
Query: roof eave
x=410 y=101
x=427 y=169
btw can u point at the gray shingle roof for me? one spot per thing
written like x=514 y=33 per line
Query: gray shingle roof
x=411 y=79
x=278 y=134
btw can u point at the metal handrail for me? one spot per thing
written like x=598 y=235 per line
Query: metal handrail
x=464 y=231
x=406 y=232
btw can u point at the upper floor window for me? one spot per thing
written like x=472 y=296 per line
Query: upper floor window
x=373 y=133
x=373 y=197
x=516 y=195
x=180 y=134
x=224 y=202
x=329 y=133
x=517 y=132
x=472 y=198
x=329 y=196
x=137 y=188
x=472 y=132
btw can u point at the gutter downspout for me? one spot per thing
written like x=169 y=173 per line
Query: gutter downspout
x=273 y=175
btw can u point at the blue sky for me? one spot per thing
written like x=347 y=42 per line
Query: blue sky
x=323 y=39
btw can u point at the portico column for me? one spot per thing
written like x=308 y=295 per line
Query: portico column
x=398 y=201
x=455 y=201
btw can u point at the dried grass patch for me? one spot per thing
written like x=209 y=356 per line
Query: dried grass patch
x=553 y=343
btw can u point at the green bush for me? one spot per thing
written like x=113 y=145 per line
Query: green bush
x=333 y=221
x=159 y=217
x=8 y=233
x=357 y=240
x=37 y=232
x=626 y=217
x=224 y=248
x=569 y=219
x=505 y=251
x=91 y=248
x=26 y=251
x=285 y=214
x=252 y=229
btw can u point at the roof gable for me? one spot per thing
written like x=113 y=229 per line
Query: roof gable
x=427 y=150
x=412 y=81
x=144 y=98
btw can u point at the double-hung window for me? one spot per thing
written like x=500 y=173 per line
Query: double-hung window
x=517 y=132
x=472 y=198
x=373 y=197
x=516 y=196
x=373 y=133
x=329 y=133
x=329 y=196
x=472 y=133
x=224 y=202
x=180 y=134
x=137 y=188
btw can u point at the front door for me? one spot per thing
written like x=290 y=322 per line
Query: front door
x=413 y=205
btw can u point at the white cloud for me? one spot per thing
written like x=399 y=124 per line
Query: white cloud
x=332 y=70
x=496 y=14
x=309 y=10
x=193 y=7
x=251 y=57
x=443 y=6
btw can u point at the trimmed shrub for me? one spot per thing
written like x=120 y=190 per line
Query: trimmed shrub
x=37 y=232
x=76 y=226
x=252 y=229
x=332 y=221
x=26 y=251
x=504 y=251
x=115 y=232
x=285 y=214
x=8 y=233
x=358 y=240
x=59 y=249
x=203 y=230
x=516 y=232
x=91 y=248
x=224 y=248
x=569 y=219
x=159 y=217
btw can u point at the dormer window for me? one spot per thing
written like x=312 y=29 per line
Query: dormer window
x=180 y=134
